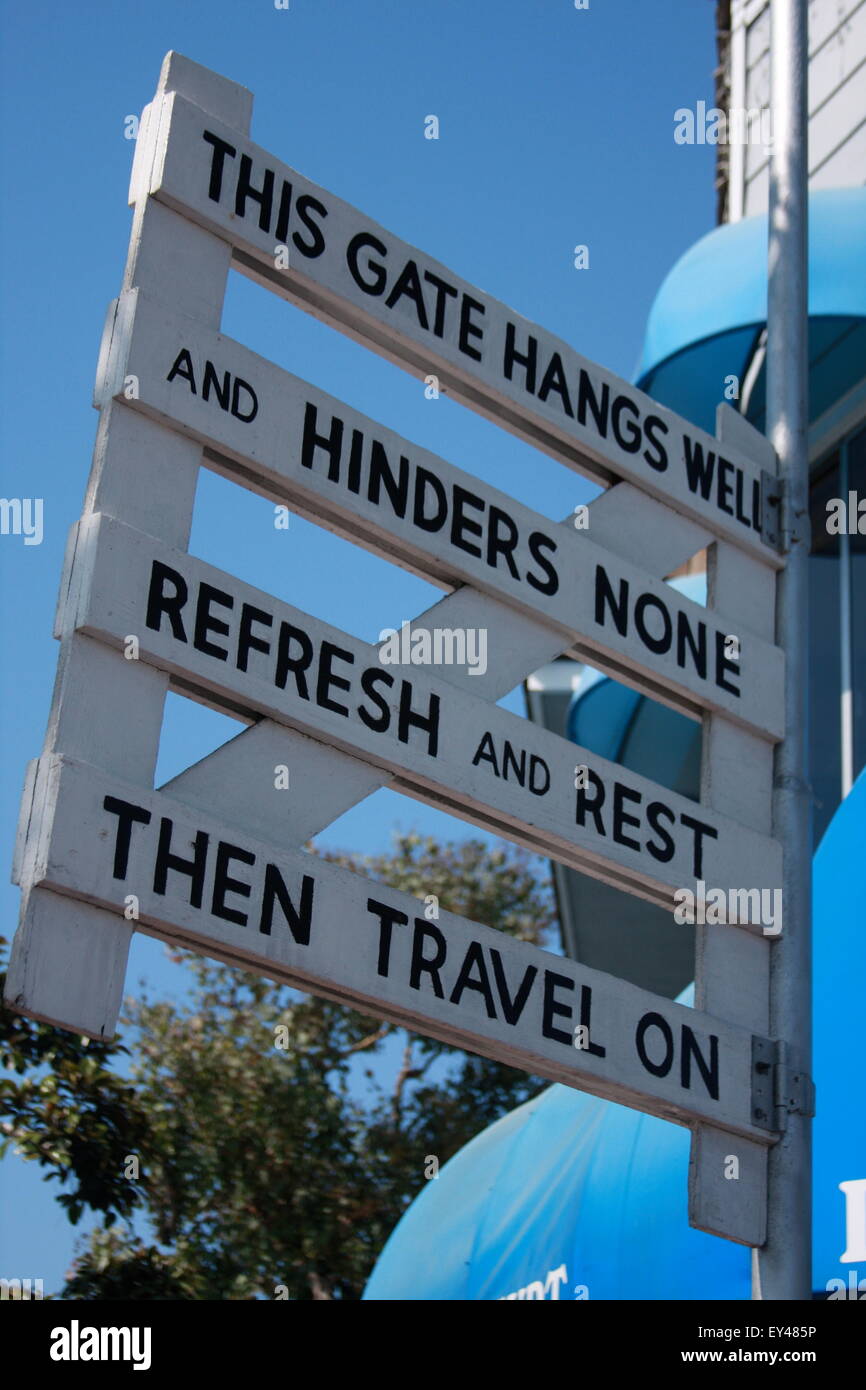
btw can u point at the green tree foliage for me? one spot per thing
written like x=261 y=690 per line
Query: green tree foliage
x=278 y=1137
x=70 y=1112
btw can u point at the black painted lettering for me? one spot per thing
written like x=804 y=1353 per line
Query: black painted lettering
x=468 y=329
x=554 y=1007
x=697 y=646
x=653 y=1020
x=127 y=815
x=369 y=680
x=316 y=245
x=160 y=602
x=424 y=481
x=724 y=488
x=708 y=1068
x=356 y=459
x=193 y=868
x=518 y=767
x=512 y=1008
x=182 y=367
x=360 y=242
x=408 y=285
x=621 y=817
x=502 y=538
x=586 y=1022
x=554 y=380
x=700 y=829
x=247 y=641
x=664 y=852
x=527 y=360
x=205 y=621
x=221 y=149
x=397 y=488
x=460 y=522
x=592 y=803
x=486 y=752
x=296 y=665
x=604 y=595
x=223 y=883
x=222 y=390
x=299 y=920
x=699 y=471
x=724 y=664
x=539 y=542
x=407 y=719
x=480 y=982
x=628 y=439
x=332 y=443
x=326 y=677
x=245 y=190
x=659 y=643
x=281 y=230
x=443 y=292
x=389 y=917
x=586 y=397
x=657 y=457
x=740 y=514
x=538 y=770
x=426 y=965
x=239 y=386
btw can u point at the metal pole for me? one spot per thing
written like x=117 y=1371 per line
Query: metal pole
x=846 y=703
x=784 y=1264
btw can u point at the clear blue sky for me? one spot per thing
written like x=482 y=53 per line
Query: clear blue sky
x=556 y=129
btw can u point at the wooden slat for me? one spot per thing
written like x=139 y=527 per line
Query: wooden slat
x=350 y=272
x=455 y=761
x=102 y=844
x=285 y=438
x=728 y=1179
x=64 y=964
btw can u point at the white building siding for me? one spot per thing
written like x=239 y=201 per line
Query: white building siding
x=837 y=97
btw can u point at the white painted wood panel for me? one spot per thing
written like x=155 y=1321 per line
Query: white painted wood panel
x=446 y=744
x=296 y=444
x=728 y=1181
x=299 y=919
x=728 y=1186
x=350 y=272
x=102 y=710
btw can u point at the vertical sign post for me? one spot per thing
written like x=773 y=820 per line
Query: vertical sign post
x=784 y=1262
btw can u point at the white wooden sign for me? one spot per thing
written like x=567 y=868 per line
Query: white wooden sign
x=297 y=444
x=349 y=271
x=200 y=883
x=261 y=656
x=101 y=853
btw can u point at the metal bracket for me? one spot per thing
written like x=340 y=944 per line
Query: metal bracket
x=772 y=496
x=777 y=1091
x=763 y=1066
x=793 y=1091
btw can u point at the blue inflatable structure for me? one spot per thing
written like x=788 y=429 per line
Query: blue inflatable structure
x=572 y=1197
